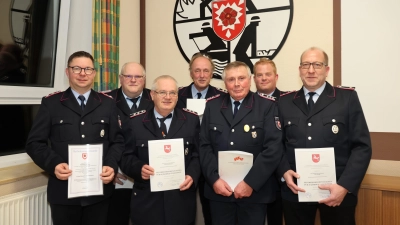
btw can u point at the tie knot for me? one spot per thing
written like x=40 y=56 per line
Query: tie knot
x=82 y=98
x=236 y=103
x=164 y=118
x=311 y=94
x=199 y=95
x=134 y=100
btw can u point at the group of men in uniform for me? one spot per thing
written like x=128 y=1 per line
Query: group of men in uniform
x=269 y=124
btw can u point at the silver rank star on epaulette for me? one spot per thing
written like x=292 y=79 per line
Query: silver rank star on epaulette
x=346 y=88
x=106 y=95
x=269 y=97
x=190 y=111
x=54 y=93
x=283 y=93
x=213 y=97
x=221 y=90
x=137 y=113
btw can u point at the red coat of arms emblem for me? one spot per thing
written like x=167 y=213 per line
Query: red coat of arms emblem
x=315 y=158
x=167 y=148
x=228 y=18
x=84 y=155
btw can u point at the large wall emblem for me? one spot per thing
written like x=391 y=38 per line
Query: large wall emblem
x=232 y=30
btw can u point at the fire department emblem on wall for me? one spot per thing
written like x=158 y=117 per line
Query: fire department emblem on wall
x=232 y=30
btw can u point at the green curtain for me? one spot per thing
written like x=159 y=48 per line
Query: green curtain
x=105 y=43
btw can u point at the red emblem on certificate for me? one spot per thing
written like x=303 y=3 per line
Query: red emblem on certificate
x=167 y=148
x=315 y=158
x=228 y=18
x=84 y=155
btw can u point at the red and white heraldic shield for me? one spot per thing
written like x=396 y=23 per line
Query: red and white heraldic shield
x=167 y=148
x=228 y=18
x=84 y=155
x=315 y=158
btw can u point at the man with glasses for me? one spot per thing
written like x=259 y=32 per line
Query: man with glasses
x=247 y=122
x=131 y=97
x=319 y=116
x=163 y=121
x=77 y=116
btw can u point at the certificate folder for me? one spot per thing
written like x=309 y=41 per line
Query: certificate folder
x=233 y=166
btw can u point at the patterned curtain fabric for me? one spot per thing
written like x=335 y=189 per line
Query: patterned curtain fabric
x=105 y=44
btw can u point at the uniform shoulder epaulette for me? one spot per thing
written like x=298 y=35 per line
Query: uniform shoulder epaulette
x=54 y=93
x=137 y=113
x=106 y=91
x=269 y=97
x=106 y=95
x=181 y=87
x=221 y=90
x=346 y=88
x=213 y=97
x=283 y=93
x=190 y=111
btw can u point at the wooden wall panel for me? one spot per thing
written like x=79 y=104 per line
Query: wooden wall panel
x=369 y=207
x=391 y=208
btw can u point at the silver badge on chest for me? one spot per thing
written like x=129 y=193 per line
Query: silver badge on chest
x=335 y=129
x=186 y=151
x=102 y=133
x=254 y=134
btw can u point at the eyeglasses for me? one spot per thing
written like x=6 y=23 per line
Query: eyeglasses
x=239 y=79
x=164 y=93
x=78 y=70
x=316 y=65
x=130 y=77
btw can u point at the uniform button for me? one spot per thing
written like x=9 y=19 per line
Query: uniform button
x=61 y=121
x=252 y=127
x=82 y=123
x=134 y=193
x=333 y=120
x=142 y=145
x=187 y=142
x=102 y=121
x=233 y=130
x=309 y=124
x=231 y=143
x=83 y=136
x=309 y=138
x=215 y=128
x=289 y=122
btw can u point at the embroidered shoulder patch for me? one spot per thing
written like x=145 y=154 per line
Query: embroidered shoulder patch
x=278 y=123
x=54 y=93
x=269 y=97
x=221 y=90
x=346 y=88
x=190 y=111
x=213 y=97
x=283 y=93
x=106 y=95
x=137 y=113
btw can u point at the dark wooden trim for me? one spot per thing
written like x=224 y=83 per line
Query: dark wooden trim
x=337 y=43
x=385 y=146
x=143 y=33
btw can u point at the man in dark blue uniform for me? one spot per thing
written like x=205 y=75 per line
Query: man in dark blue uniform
x=318 y=116
x=130 y=98
x=77 y=116
x=247 y=122
x=164 y=120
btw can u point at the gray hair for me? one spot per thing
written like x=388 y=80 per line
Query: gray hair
x=235 y=64
x=135 y=63
x=154 y=86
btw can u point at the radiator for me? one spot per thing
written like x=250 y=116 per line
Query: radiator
x=25 y=208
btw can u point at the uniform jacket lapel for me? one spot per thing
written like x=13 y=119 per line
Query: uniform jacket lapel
x=177 y=122
x=300 y=101
x=245 y=108
x=146 y=100
x=121 y=103
x=93 y=102
x=328 y=96
x=226 y=109
x=150 y=123
x=68 y=100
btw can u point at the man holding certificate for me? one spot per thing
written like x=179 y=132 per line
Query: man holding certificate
x=326 y=136
x=161 y=155
x=246 y=122
x=85 y=146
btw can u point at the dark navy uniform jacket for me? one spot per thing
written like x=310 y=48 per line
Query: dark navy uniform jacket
x=352 y=145
x=172 y=207
x=221 y=132
x=186 y=92
x=61 y=120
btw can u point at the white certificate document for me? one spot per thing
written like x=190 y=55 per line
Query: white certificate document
x=85 y=161
x=233 y=166
x=197 y=105
x=127 y=184
x=166 y=156
x=315 y=166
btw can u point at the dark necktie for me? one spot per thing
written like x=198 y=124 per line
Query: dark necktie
x=134 y=100
x=236 y=109
x=310 y=101
x=163 y=126
x=199 y=95
x=82 y=98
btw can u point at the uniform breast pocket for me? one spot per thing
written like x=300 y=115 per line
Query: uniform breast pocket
x=291 y=127
x=189 y=146
x=100 y=127
x=334 y=128
x=62 y=128
x=142 y=150
x=215 y=132
x=254 y=133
